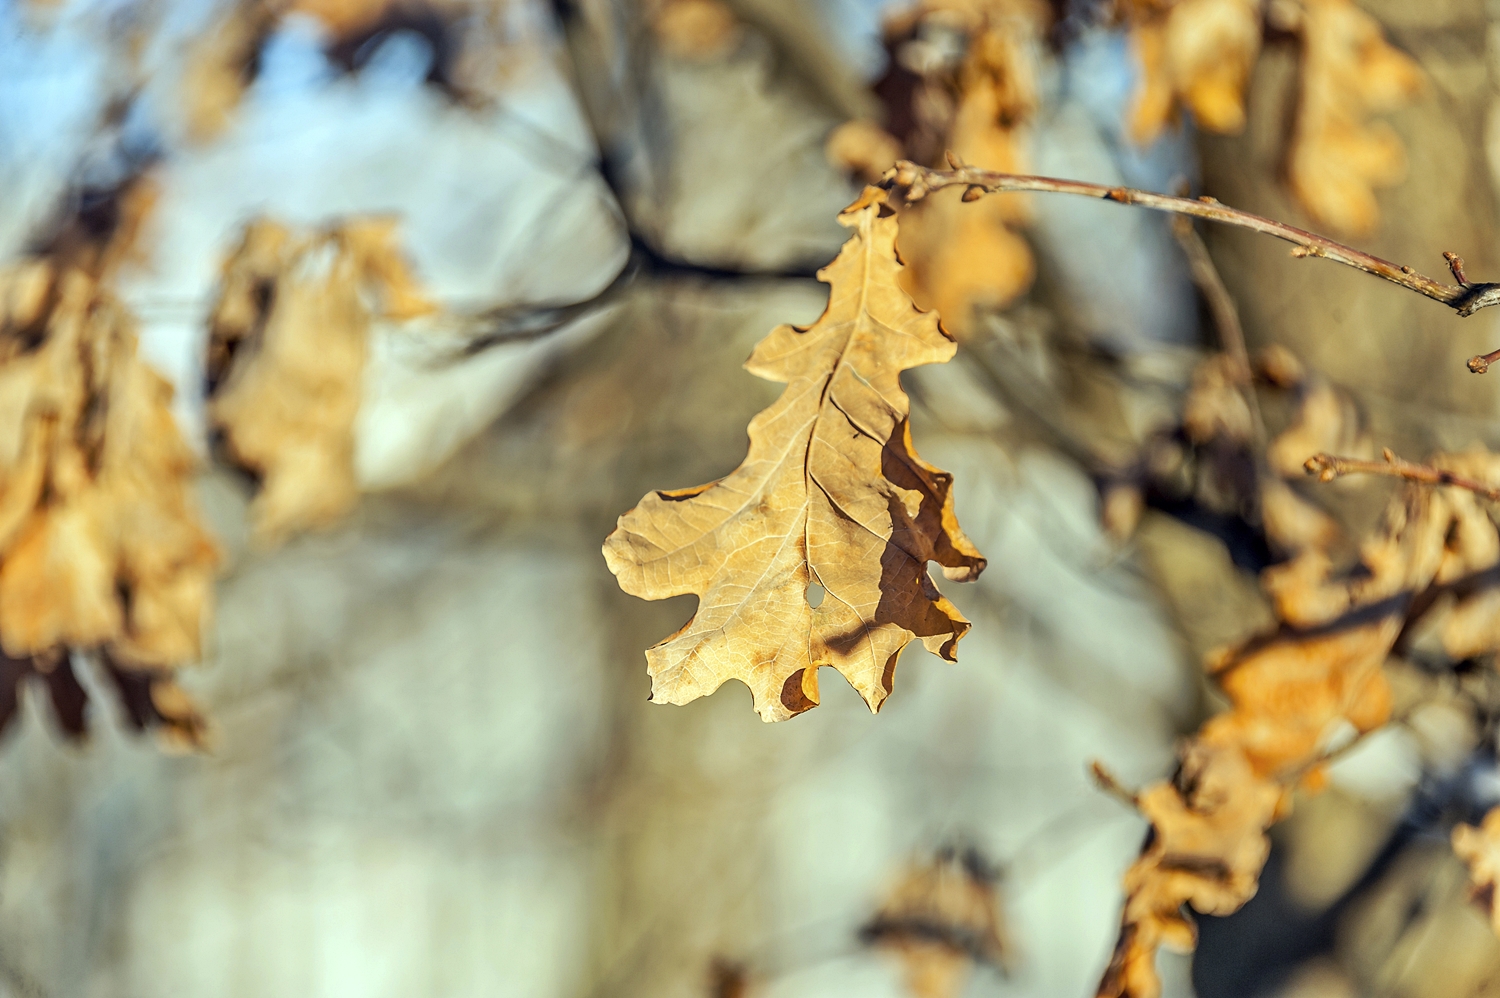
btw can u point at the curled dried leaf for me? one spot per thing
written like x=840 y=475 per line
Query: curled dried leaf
x=1207 y=849
x=972 y=69
x=1479 y=848
x=862 y=149
x=941 y=918
x=696 y=30
x=1290 y=692
x=832 y=492
x=287 y=352
x=101 y=546
x=1338 y=157
x=1327 y=420
x=1192 y=54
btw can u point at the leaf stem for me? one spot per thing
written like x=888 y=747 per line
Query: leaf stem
x=1110 y=784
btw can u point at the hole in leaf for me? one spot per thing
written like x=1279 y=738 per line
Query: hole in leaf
x=815 y=594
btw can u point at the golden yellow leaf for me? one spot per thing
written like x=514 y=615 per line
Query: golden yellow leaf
x=1479 y=848
x=1292 y=524
x=698 y=30
x=940 y=919
x=289 y=338
x=831 y=493
x=101 y=547
x=1337 y=157
x=1327 y=421
x=1289 y=691
x=862 y=149
x=1193 y=54
x=1207 y=850
x=968 y=257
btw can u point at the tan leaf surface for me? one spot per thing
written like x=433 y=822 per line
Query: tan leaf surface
x=1349 y=73
x=1471 y=562
x=862 y=149
x=977 y=64
x=1192 y=54
x=289 y=338
x=940 y=919
x=1326 y=421
x=1208 y=850
x=1479 y=848
x=218 y=67
x=101 y=546
x=695 y=30
x=221 y=61
x=1215 y=407
x=1290 y=691
x=831 y=493
x=965 y=257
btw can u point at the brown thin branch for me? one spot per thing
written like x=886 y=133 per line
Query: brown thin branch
x=1226 y=314
x=1327 y=467
x=916 y=182
x=1111 y=785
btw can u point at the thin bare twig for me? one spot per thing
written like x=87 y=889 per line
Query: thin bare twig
x=1327 y=468
x=916 y=182
x=1226 y=315
x=1110 y=784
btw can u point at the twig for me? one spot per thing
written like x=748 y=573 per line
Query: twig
x=1112 y=786
x=916 y=182
x=1226 y=314
x=1327 y=468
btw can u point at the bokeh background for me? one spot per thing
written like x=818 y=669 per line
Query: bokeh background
x=434 y=769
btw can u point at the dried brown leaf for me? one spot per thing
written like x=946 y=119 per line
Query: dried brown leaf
x=287 y=357
x=1327 y=420
x=1192 y=54
x=862 y=149
x=940 y=919
x=1338 y=157
x=977 y=64
x=1289 y=691
x=1293 y=524
x=1479 y=848
x=696 y=30
x=1207 y=850
x=101 y=546
x=831 y=493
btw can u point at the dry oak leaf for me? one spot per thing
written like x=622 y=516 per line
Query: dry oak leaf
x=101 y=546
x=1479 y=848
x=1471 y=560
x=1337 y=157
x=1207 y=848
x=1196 y=54
x=287 y=352
x=1290 y=692
x=1215 y=408
x=1292 y=524
x=862 y=149
x=831 y=493
x=964 y=257
x=695 y=30
x=941 y=918
x=99 y=540
x=1327 y=421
